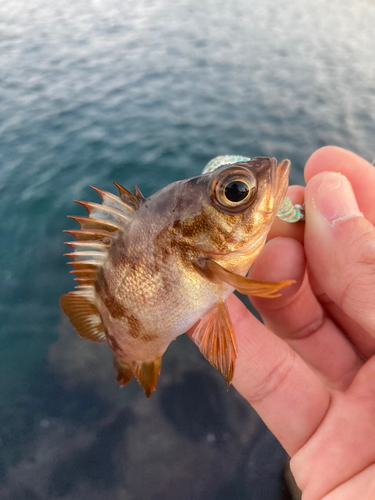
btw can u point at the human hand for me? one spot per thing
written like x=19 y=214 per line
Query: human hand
x=309 y=371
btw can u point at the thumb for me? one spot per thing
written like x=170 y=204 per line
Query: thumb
x=340 y=247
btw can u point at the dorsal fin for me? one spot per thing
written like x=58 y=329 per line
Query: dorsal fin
x=138 y=194
x=111 y=200
x=105 y=213
x=99 y=229
x=87 y=223
x=84 y=235
x=90 y=250
x=127 y=197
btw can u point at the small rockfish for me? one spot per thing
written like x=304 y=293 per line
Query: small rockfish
x=149 y=269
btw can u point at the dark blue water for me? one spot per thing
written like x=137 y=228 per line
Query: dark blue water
x=147 y=92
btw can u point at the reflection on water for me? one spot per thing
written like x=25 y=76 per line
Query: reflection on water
x=147 y=92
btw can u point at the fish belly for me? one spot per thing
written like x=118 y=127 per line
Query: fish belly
x=141 y=322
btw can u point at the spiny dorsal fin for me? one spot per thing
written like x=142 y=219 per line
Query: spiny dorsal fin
x=111 y=200
x=82 y=235
x=100 y=228
x=147 y=374
x=138 y=194
x=84 y=316
x=84 y=273
x=93 y=224
x=214 y=336
x=82 y=265
x=106 y=213
x=129 y=198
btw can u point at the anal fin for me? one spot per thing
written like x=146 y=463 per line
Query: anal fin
x=123 y=371
x=84 y=316
x=214 y=336
x=147 y=374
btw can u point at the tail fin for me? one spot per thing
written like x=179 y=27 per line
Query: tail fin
x=147 y=373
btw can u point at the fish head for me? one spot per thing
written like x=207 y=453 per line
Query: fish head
x=233 y=207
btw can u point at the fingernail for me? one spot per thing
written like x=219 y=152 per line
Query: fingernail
x=335 y=198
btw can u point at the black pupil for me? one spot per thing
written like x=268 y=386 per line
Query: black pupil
x=236 y=191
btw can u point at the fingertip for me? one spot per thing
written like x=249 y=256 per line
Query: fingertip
x=331 y=194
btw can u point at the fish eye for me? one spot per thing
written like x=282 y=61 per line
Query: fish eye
x=236 y=191
x=233 y=189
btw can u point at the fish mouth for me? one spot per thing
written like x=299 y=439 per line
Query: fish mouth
x=279 y=179
x=282 y=169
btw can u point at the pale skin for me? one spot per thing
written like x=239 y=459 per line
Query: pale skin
x=309 y=371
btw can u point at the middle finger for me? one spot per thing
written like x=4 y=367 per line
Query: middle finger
x=298 y=317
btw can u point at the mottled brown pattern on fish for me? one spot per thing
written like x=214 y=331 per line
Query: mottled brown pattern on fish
x=177 y=226
x=114 y=307
x=114 y=345
x=120 y=254
x=199 y=227
x=215 y=229
x=134 y=326
x=149 y=337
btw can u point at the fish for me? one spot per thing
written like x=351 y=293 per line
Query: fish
x=149 y=269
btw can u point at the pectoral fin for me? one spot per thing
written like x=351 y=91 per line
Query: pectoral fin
x=215 y=338
x=147 y=374
x=216 y=273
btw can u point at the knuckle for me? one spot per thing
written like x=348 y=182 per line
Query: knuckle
x=359 y=278
x=275 y=379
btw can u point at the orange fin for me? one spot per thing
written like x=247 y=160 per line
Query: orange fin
x=94 y=224
x=130 y=199
x=214 y=336
x=93 y=235
x=99 y=230
x=124 y=372
x=84 y=316
x=138 y=194
x=216 y=273
x=147 y=374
